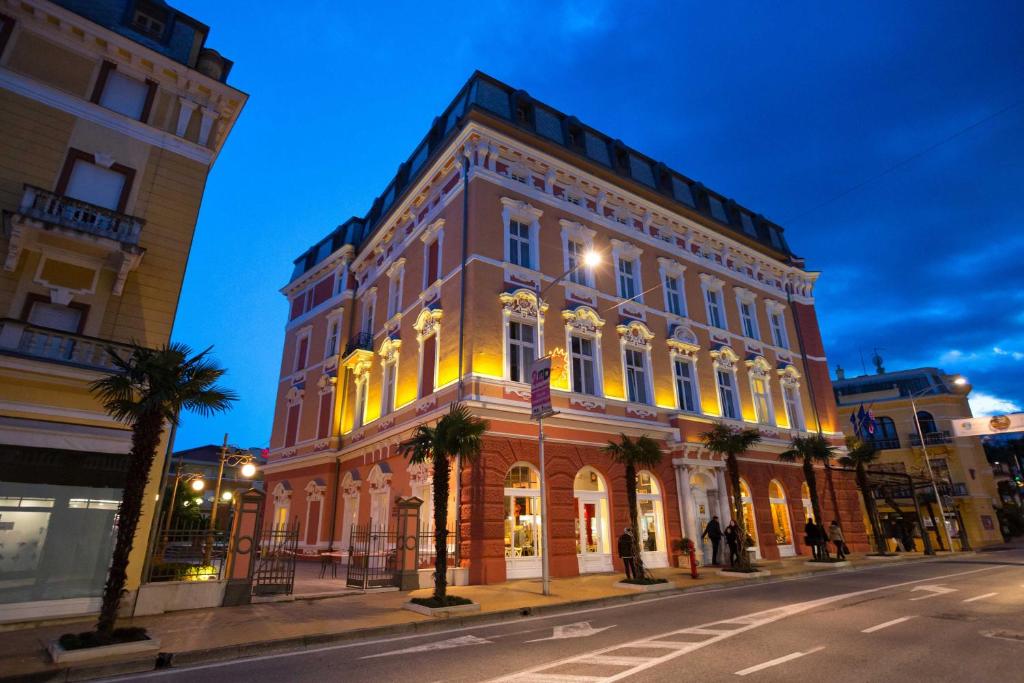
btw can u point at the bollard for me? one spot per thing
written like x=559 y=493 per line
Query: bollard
x=692 y=552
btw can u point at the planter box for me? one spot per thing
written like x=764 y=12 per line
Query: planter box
x=457 y=576
x=90 y=654
x=759 y=574
x=646 y=588
x=442 y=611
x=170 y=596
x=828 y=565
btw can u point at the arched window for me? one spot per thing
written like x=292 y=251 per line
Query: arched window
x=651 y=519
x=927 y=421
x=523 y=531
x=805 y=496
x=885 y=435
x=379 y=481
x=350 y=506
x=749 y=523
x=593 y=533
x=780 y=518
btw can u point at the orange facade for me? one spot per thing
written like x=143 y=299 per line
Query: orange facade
x=682 y=324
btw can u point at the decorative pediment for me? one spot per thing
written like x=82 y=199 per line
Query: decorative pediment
x=389 y=349
x=788 y=373
x=723 y=355
x=327 y=383
x=635 y=333
x=683 y=340
x=350 y=483
x=522 y=303
x=745 y=295
x=519 y=209
x=577 y=231
x=671 y=266
x=380 y=477
x=427 y=322
x=626 y=249
x=419 y=474
x=282 y=492
x=758 y=365
x=315 y=489
x=711 y=282
x=294 y=395
x=583 y=319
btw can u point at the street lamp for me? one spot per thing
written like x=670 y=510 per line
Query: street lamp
x=193 y=480
x=590 y=259
x=234 y=459
x=959 y=381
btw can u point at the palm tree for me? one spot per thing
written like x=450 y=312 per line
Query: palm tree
x=859 y=455
x=809 y=451
x=148 y=389
x=457 y=434
x=642 y=453
x=731 y=442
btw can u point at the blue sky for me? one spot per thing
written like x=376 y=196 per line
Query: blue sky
x=782 y=108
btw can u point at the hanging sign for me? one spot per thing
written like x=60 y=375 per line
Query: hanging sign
x=992 y=424
x=540 y=388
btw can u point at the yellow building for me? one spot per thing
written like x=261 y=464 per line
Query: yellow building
x=112 y=113
x=960 y=468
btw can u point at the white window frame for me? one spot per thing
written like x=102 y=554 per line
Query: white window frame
x=427 y=325
x=789 y=380
x=520 y=306
x=434 y=233
x=710 y=283
x=689 y=361
x=746 y=304
x=584 y=322
x=524 y=214
x=362 y=388
x=573 y=232
x=389 y=353
x=624 y=251
x=396 y=283
x=635 y=336
x=667 y=268
x=684 y=347
x=777 y=322
x=725 y=362
x=369 y=298
x=332 y=342
x=759 y=369
x=306 y=333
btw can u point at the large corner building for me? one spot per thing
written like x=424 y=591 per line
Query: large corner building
x=112 y=113
x=700 y=312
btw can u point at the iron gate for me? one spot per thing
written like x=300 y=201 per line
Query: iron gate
x=275 y=561
x=372 y=557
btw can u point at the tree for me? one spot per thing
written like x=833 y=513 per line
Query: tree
x=731 y=442
x=148 y=389
x=642 y=453
x=457 y=434
x=809 y=451
x=859 y=455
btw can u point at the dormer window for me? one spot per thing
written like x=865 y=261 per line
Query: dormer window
x=149 y=20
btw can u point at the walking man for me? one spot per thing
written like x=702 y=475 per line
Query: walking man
x=626 y=550
x=812 y=537
x=713 y=532
x=732 y=539
x=835 y=534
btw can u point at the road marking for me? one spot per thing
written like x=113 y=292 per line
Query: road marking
x=461 y=641
x=581 y=629
x=886 y=624
x=780 y=660
x=817 y=576
x=933 y=591
x=980 y=597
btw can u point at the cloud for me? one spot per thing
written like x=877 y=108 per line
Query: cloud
x=987 y=404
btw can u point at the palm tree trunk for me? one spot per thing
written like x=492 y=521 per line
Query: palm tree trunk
x=733 y=468
x=812 y=490
x=442 y=476
x=872 y=509
x=145 y=440
x=831 y=489
x=634 y=522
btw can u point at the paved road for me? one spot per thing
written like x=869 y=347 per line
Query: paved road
x=941 y=620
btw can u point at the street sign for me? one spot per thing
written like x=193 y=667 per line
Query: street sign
x=540 y=388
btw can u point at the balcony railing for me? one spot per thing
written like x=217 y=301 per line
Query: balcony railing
x=46 y=206
x=20 y=338
x=361 y=340
x=930 y=439
x=885 y=444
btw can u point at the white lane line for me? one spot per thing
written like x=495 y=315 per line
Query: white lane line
x=779 y=660
x=933 y=592
x=980 y=597
x=886 y=624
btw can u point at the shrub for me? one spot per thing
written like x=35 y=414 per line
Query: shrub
x=86 y=639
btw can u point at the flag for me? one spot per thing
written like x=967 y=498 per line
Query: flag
x=871 y=422
x=853 y=421
x=862 y=418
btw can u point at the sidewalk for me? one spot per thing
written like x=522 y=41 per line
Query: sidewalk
x=232 y=632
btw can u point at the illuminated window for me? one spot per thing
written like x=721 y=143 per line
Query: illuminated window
x=686 y=384
x=521 y=350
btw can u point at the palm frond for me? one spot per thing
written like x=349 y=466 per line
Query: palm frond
x=642 y=452
x=728 y=440
x=859 y=452
x=420 y=447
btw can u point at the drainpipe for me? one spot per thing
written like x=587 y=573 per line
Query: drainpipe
x=457 y=560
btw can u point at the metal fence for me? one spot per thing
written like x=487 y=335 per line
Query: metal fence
x=188 y=552
x=426 y=548
x=373 y=557
x=275 y=562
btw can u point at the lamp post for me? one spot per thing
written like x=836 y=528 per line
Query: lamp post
x=959 y=381
x=590 y=260
x=193 y=480
x=238 y=457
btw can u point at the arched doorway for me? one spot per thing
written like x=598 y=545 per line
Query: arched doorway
x=349 y=506
x=749 y=522
x=651 y=518
x=282 y=494
x=380 y=496
x=781 y=523
x=593 y=535
x=523 y=531
x=703 y=510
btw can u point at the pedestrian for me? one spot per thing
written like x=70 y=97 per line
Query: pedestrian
x=812 y=538
x=626 y=552
x=835 y=534
x=732 y=539
x=894 y=534
x=907 y=538
x=713 y=532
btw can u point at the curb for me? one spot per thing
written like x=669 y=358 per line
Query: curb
x=166 y=660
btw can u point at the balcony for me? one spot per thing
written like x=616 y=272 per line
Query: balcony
x=361 y=341
x=885 y=444
x=931 y=438
x=48 y=207
x=18 y=338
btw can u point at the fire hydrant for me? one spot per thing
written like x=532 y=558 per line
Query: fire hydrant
x=691 y=551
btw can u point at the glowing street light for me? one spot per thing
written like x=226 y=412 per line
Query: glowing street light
x=198 y=484
x=591 y=259
x=248 y=470
x=226 y=496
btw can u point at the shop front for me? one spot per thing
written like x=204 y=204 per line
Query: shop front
x=523 y=520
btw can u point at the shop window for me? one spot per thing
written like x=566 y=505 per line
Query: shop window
x=780 y=514
x=651 y=519
x=523 y=520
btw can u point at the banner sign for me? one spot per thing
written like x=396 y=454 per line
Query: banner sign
x=994 y=424
x=540 y=388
